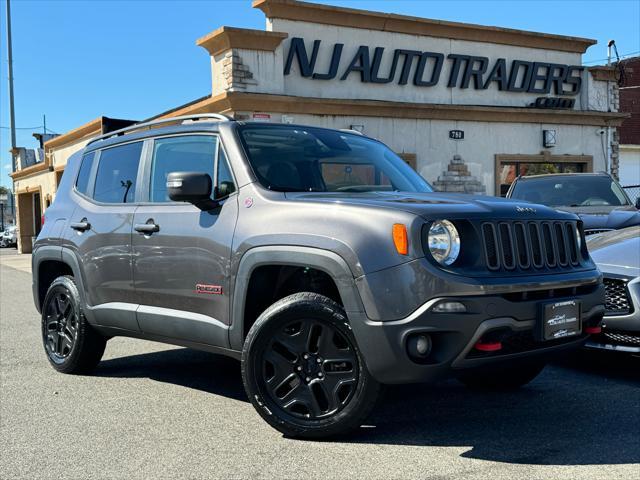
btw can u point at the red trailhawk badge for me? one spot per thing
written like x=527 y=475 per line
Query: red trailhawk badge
x=209 y=289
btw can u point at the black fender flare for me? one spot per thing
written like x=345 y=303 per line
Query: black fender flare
x=58 y=254
x=329 y=262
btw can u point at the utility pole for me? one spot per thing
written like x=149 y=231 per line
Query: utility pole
x=11 y=106
x=608 y=159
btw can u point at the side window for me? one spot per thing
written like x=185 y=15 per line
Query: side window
x=117 y=172
x=226 y=185
x=189 y=153
x=84 y=175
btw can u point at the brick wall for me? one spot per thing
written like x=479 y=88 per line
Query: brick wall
x=236 y=75
x=630 y=102
x=456 y=178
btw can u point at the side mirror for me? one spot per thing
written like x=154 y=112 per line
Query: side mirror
x=638 y=203
x=192 y=187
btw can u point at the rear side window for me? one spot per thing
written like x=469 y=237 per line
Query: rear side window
x=84 y=176
x=189 y=153
x=117 y=172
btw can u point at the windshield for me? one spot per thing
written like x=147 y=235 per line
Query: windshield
x=305 y=159
x=571 y=191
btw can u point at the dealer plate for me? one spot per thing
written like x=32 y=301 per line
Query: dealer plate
x=561 y=320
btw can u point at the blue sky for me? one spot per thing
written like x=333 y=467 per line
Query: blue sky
x=77 y=60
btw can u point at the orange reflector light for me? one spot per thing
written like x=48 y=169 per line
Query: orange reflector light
x=400 y=239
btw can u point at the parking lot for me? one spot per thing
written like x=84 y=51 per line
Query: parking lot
x=155 y=411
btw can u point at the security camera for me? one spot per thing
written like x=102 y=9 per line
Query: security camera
x=601 y=131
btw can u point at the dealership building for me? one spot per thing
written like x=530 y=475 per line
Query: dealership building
x=469 y=107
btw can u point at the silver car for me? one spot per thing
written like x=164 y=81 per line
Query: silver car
x=617 y=254
x=9 y=238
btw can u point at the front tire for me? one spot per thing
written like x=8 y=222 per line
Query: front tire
x=302 y=369
x=503 y=377
x=71 y=344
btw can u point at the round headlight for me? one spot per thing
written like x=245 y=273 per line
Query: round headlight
x=444 y=242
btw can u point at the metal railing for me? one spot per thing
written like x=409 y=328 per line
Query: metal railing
x=155 y=123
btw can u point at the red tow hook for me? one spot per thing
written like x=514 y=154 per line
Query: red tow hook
x=488 y=346
x=593 y=330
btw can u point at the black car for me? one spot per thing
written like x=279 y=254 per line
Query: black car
x=599 y=201
x=617 y=255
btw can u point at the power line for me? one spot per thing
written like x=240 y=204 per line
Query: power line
x=32 y=128
x=624 y=55
x=23 y=128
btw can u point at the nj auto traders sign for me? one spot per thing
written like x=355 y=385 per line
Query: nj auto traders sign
x=466 y=71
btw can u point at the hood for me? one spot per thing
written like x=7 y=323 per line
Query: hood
x=617 y=252
x=606 y=217
x=436 y=205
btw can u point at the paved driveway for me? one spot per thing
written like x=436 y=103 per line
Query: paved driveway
x=9 y=257
x=154 y=411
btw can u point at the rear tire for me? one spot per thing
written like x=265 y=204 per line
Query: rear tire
x=302 y=369
x=71 y=344
x=504 y=377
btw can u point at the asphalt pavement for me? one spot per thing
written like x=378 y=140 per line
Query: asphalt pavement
x=156 y=411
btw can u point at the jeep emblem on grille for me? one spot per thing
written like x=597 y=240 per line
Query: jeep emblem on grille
x=525 y=209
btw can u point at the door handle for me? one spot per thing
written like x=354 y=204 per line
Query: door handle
x=147 y=228
x=81 y=226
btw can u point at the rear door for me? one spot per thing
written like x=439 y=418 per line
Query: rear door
x=182 y=262
x=100 y=231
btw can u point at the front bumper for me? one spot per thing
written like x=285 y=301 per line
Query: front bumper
x=513 y=317
x=621 y=332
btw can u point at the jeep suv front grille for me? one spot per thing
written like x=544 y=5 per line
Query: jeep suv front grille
x=617 y=298
x=530 y=245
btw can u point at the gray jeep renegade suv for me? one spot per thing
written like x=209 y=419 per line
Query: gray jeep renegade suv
x=316 y=256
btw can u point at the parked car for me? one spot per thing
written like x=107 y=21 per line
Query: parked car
x=317 y=257
x=599 y=201
x=9 y=237
x=617 y=254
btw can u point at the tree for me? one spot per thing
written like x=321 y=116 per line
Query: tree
x=4 y=190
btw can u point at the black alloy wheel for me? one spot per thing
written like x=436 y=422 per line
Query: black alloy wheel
x=303 y=371
x=60 y=326
x=309 y=369
x=71 y=344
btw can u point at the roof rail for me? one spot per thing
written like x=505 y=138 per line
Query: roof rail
x=154 y=123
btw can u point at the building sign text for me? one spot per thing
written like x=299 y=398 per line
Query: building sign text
x=465 y=70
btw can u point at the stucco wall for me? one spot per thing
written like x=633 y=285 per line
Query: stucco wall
x=60 y=156
x=353 y=88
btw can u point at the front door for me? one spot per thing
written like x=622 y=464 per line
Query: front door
x=37 y=214
x=182 y=254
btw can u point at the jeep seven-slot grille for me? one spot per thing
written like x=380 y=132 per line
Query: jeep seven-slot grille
x=616 y=297
x=529 y=245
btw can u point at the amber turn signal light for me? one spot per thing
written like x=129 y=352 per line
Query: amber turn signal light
x=400 y=239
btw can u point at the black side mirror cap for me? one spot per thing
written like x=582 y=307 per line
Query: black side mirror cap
x=192 y=187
